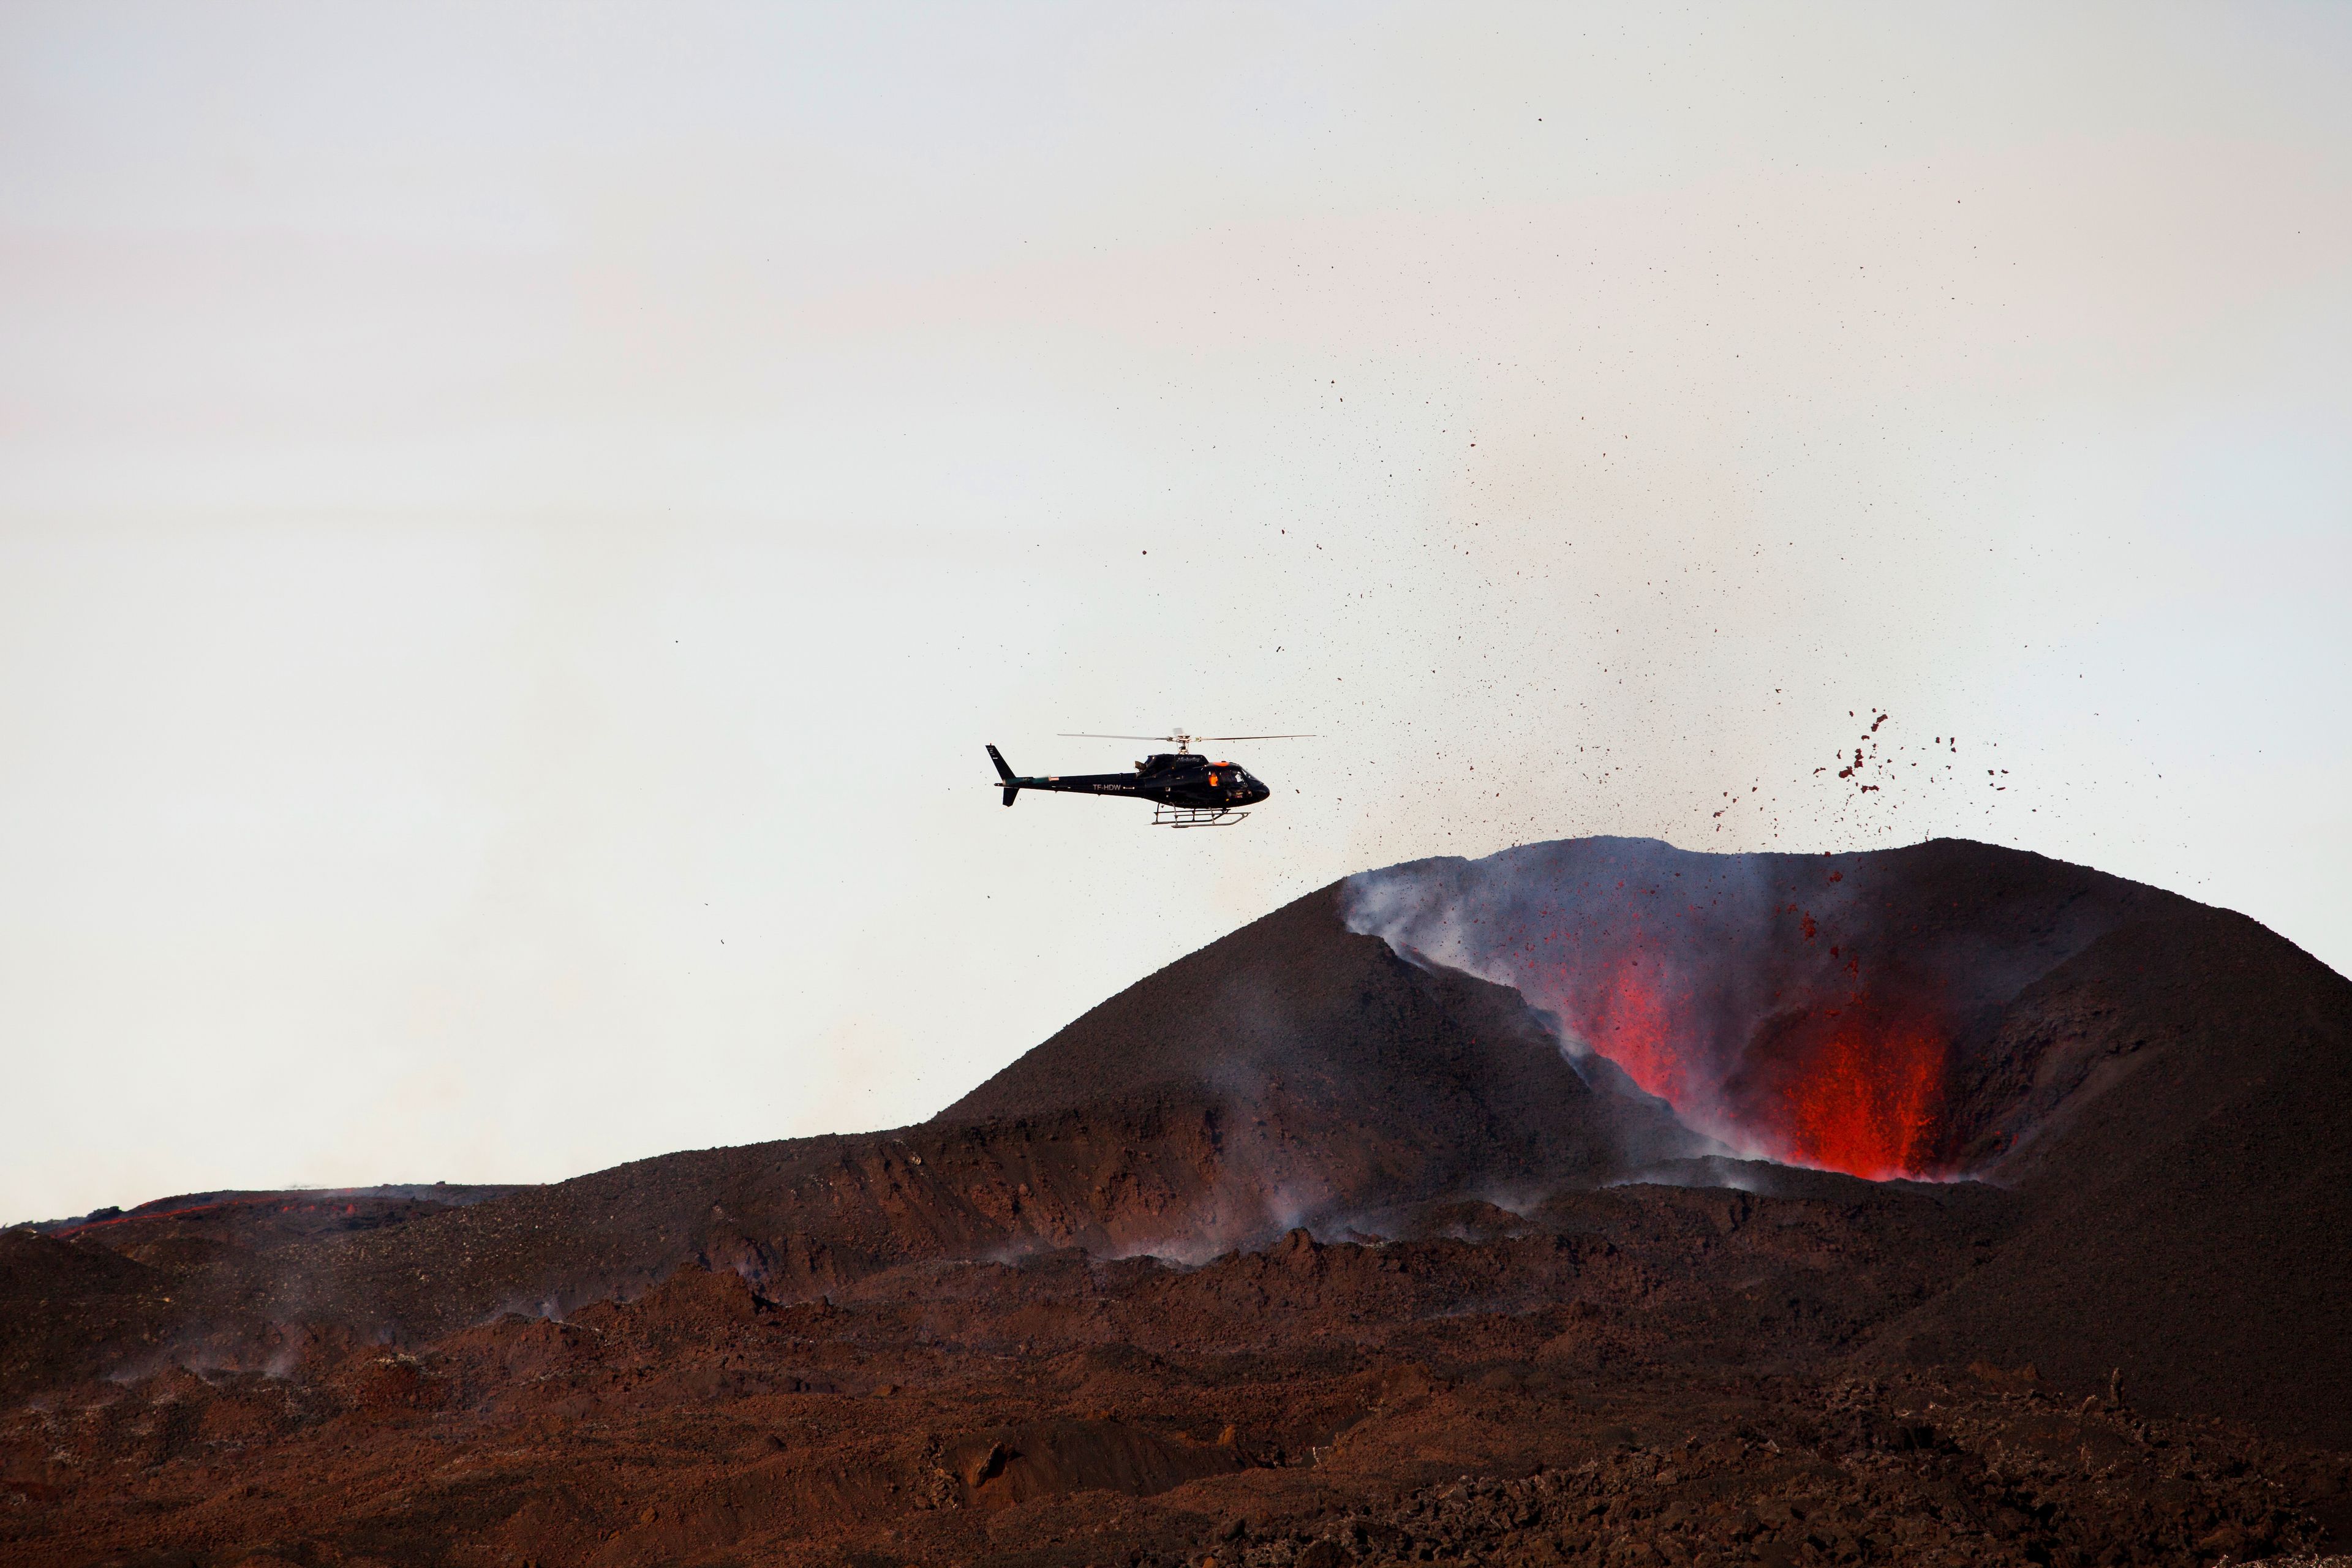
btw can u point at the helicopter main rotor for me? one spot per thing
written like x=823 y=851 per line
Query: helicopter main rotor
x=1182 y=739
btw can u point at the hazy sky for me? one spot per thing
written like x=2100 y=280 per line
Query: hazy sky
x=516 y=521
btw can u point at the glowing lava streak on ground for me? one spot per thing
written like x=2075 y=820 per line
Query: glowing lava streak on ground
x=1846 y=1086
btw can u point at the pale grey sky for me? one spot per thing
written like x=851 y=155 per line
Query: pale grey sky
x=516 y=521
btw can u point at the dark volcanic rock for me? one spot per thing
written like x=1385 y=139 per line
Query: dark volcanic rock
x=68 y=1307
x=1421 y=1287
x=1348 y=1076
x=2189 y=1184
x=1297 y=1072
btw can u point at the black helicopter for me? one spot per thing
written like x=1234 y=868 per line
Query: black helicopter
x=1186 y=789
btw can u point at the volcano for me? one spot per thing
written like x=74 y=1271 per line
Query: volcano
x=1597 y=1201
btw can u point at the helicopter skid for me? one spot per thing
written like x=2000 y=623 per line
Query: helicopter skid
x=1194 y=817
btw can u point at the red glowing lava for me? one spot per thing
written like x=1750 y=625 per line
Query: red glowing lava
x=1848 y=1085
x=1858 y=1093
x=1630 y=1019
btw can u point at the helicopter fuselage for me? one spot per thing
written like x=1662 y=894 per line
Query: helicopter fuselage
x=1185 y=780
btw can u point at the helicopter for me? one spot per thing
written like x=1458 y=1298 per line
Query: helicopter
x=1186 y=789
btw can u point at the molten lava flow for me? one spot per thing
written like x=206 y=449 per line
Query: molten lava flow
x=1783 y=1016
x=1629 y=1018
x=1808 y=1009
x=1864 y=1095
x=1847 y=1085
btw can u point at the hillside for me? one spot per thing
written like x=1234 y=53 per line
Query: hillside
x=1489 y=1167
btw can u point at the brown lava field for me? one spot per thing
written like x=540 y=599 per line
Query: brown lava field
x=1305 y=1253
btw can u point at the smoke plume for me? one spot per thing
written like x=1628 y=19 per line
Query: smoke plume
x=1793 y=1008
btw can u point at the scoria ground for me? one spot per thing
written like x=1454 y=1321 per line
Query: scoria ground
x=1319 y=1249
